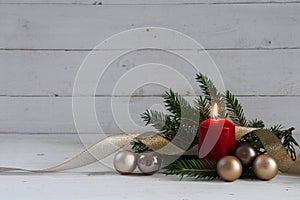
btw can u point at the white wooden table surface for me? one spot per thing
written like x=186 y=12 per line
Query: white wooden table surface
x=113 y=186
x=101 y=182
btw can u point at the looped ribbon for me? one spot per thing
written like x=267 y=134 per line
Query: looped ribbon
x=155 y=142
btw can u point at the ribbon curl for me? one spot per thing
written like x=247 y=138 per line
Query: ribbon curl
x=157 y=143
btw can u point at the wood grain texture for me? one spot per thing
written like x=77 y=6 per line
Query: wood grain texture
x=247 y=72
x=214 y=26
x=255 y=44
x=54 y=115
x=93 y=186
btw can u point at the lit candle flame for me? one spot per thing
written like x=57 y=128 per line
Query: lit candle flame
x=215 y=111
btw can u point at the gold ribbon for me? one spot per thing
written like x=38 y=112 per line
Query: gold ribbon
x=274 y=148
x=161 y=145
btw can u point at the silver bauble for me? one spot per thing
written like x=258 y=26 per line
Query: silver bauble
x=149 y=162
x=125 y=162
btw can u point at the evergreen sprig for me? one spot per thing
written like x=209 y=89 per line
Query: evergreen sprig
x=289 y=142
x=181 y=121
x=286 y=136
x=235 y=110
x=255 y=123
x=208 y=88
x=198 y=169
x=139 y=147
x=166 y=124
x=211 y=93
x=203 y=107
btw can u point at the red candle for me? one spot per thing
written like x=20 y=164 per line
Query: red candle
x=216 y=137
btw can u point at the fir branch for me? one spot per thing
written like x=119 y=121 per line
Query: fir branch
x=165 y=124
x=235 y=110
x=208 y=88
x=286 y=136
x=211 y=93
x=255 y=123
x=186 y=135
x=155 y=118
x=199 y=169
x=160 y=121
x=277 y=129
x=138 y=147
x=289 y=142
x=182 y=122
x=248 y=173
x=173 y=103
x=180 y=107
x=202 y=105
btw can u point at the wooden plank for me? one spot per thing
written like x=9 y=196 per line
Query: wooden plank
x=32 y=73
x=113 y=186
x=215 y=27
x=29 y=73
x=54 y=115
x=141 y=2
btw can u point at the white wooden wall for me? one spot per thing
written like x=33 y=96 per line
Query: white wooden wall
x=255 y=44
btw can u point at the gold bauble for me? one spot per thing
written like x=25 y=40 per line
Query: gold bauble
x=229 y=168
x=265 y=167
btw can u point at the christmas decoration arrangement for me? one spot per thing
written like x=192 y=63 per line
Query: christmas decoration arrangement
x=245 y=154
x=208 y=139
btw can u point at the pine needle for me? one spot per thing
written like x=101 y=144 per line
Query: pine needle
x=199 y=169
x=203 y=106
x=255 y=123
x=208 y=88
x=211 y=93
x=180 y=107
x=235 y=110
x=286 y=136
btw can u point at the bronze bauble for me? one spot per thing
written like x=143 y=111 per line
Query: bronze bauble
x=229 y=168
x=265 y=167
x=246 y=153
